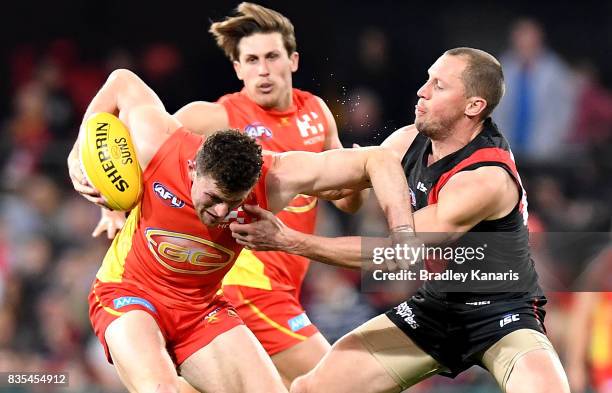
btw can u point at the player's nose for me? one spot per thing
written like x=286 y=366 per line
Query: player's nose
x=221 y=210
x=423 y=92
x=263 y=68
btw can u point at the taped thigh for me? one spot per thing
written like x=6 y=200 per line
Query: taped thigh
x=501 y=357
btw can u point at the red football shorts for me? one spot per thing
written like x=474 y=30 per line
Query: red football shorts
x=185 y=331
x=275 y=317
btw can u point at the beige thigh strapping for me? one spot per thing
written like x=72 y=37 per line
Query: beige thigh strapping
x=501 y=357
x=406 y=363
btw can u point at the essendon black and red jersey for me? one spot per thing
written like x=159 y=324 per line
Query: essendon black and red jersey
x=505 y=240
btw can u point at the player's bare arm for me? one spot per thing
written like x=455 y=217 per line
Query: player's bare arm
x=127 y=96
x=201 y=117
x=469 y=197
x=399 y=141
x=354 y=168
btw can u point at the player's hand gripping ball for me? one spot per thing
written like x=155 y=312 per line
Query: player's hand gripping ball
x=109 y=161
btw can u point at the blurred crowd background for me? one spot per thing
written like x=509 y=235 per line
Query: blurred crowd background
x=367 y=61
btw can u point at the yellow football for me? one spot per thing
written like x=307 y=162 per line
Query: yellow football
x=109 y=161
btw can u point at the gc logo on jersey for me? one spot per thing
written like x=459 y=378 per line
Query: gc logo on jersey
x=167 y=196
x=188 y=254
x=258 y=131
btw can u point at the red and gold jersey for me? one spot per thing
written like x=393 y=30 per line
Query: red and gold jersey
x=301 y=127
x=164 y=248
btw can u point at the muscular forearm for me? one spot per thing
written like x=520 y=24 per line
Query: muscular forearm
x=389 y=182
x=339 y=251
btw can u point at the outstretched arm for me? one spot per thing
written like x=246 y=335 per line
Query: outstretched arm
x=355 y=168
x=486 y=193
x=295 y=173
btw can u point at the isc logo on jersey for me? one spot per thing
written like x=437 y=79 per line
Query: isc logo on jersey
x=167 y=196
x=258 y=131
x=188 y=254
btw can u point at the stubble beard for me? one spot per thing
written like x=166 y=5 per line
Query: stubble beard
x=436 y=130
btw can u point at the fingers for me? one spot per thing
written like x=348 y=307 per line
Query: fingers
x=111 y=232
x=251 y=246
x=256 y=210
x=100 y=201
x=86 y=189
x=356 y=145
x=110 y=227
x=98 y=229
x=239 y=228
x=242 y=236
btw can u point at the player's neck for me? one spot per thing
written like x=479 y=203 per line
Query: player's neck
x=283 y=104
x=455 y=140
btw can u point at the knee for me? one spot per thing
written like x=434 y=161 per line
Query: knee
x=300 y=384
x=537 y=372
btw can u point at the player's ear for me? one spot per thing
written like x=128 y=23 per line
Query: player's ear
x=475 y=106
x=295 y=59
x=192 y=167
x=237 y=69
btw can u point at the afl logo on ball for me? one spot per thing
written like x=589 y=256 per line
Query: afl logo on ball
x=258 y=131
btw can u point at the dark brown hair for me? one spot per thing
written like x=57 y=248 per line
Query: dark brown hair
x=232 y=159
x=250 y=19
x=482 y=77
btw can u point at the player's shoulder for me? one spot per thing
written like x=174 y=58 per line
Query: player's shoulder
x=409 y=131
x=400 y=140
x=303 y=97
x=229 y=97
x=302 y=94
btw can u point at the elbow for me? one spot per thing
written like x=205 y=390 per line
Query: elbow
x=352 y=203
x=123 y=77
x=121 y=74
x=379 y=158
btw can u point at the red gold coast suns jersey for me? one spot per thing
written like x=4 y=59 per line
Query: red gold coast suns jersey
x=164 y=249
x=301 y=127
